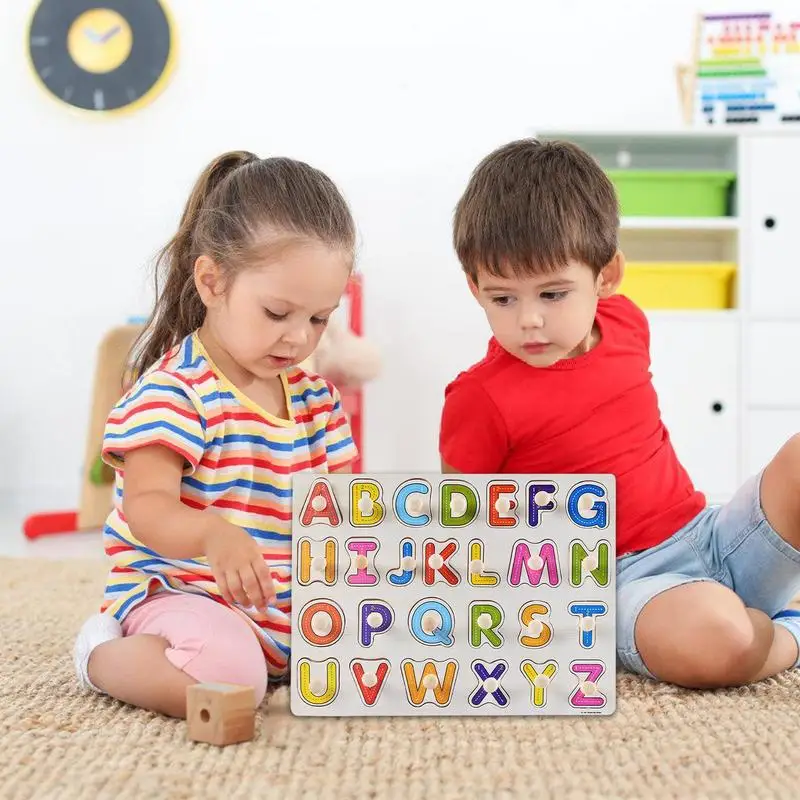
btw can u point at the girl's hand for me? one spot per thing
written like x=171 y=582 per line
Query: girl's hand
x=238 y=566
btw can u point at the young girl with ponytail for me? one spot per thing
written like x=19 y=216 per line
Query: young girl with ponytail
x=206 y=440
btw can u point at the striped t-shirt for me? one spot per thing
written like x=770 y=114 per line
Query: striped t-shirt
x=239 y=462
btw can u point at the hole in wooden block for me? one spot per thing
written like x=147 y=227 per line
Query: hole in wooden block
x=220 y=713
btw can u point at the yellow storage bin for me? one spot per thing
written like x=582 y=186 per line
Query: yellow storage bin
x=679 y=284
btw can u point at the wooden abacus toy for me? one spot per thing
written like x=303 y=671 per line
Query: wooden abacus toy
x=437 y=595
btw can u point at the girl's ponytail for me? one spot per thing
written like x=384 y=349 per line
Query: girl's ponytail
x=178 y=310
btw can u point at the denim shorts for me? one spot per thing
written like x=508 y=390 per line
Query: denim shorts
x=732 y=544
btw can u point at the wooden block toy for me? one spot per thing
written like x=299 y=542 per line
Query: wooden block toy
x=220 y=713
x=453 y=595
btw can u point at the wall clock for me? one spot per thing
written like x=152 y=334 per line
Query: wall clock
x=106 y=56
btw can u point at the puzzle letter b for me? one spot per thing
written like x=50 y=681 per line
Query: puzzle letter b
x=446 y=595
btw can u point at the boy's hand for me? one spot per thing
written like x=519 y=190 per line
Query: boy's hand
x=238 y=567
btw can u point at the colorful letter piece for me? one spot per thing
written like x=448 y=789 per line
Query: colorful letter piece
x=440 y=595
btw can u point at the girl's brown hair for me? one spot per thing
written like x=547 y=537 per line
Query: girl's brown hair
x=237 y=199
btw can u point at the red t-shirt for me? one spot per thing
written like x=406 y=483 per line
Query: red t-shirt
x=595 y=413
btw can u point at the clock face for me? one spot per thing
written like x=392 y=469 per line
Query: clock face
x=102 y=56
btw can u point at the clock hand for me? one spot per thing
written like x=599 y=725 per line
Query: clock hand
x=115 y=30
x=90 y=34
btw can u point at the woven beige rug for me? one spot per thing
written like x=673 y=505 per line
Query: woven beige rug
x=57 y=742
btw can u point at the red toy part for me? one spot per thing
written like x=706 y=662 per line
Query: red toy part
x=352 y=401
x=49 y=523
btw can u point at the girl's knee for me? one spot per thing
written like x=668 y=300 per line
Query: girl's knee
x=230 y=653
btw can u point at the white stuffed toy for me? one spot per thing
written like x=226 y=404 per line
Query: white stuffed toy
x=348 y=361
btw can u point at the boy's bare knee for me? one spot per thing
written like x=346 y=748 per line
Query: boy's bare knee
x=701 y=636
x=734 y=654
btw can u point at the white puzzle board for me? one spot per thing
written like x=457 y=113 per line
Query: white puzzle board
x=452 y=595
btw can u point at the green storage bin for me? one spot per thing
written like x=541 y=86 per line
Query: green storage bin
x=651 y=193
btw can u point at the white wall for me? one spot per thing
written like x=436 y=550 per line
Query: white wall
x=397 y=104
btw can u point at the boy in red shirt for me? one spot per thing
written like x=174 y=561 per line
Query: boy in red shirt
x=565 y=387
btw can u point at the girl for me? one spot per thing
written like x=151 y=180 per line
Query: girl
x=206 y=441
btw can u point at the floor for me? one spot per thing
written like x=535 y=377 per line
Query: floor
x=59 y=742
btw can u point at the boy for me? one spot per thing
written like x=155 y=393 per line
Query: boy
x=565 y=387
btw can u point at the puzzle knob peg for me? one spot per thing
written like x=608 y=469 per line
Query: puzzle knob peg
x=369 y=680
x=534 y=628
x=490 y=685
x=541 y=681
x=416 y=504
x=589 y=688
x=436 y=561
x=374 y=619
x=586 y=503
x=408 y=563
x=503 y=504
x=430 y=681
x=476 y=566
x=318 y=687
x=458 y=505
x=360 y=561
x=484 y=621
x=587 y=623
x=366 y=506
x=541 y=499
x=318 y=564
x=535 y=562
x=318 y=503
x=590 y=562
x=321 y=624
x=430 y=621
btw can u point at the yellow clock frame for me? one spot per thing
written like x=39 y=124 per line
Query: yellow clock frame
x=102 y=57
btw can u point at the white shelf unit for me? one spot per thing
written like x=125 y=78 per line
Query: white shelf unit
x=727 y=382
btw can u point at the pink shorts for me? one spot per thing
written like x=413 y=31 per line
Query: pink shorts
x=209 y=642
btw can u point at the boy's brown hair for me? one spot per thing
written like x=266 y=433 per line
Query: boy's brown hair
x=530 y=207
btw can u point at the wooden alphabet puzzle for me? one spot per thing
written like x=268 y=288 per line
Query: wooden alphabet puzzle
x=446 y=595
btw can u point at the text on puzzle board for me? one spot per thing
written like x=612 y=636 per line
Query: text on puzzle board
x=542 y=600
